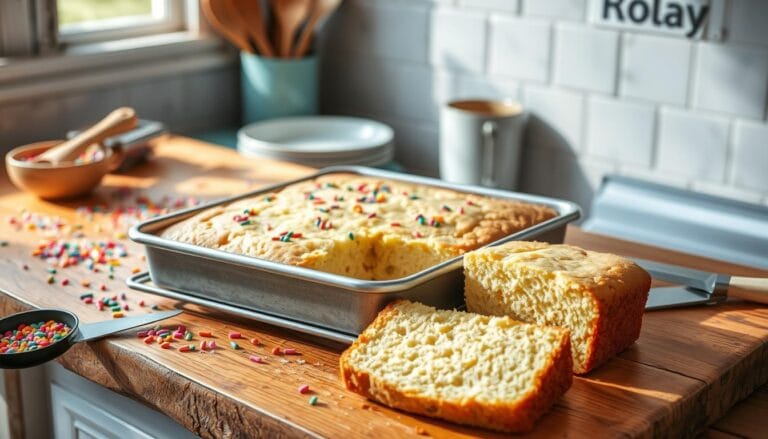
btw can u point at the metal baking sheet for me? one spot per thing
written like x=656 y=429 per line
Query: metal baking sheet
x=142 y=282
x=331 y=301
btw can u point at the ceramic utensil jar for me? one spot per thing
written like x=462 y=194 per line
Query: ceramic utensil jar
x=480 y=142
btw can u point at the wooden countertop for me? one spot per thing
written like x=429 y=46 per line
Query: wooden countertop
x=687 y=370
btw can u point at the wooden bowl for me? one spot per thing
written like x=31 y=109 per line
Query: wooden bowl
x=49 y=181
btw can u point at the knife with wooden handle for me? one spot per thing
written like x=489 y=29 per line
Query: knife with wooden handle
x=700 y=286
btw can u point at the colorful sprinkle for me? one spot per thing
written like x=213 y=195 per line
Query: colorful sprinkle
x=313 y=400
x=256 y=359
x=205 y=334
x=234 y=345
x=304 y=388
x=117 y=315
x=50 y=280
x=86 y=296
x=235 y=335
x=65 y=282
x=255 y=342
x=290 y=351
x=165 y=345
x=276 y=350
x=351 y=236
x=33 y=336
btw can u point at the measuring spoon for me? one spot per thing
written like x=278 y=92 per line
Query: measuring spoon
x=77 y=333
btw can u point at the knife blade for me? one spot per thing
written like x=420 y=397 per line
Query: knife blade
x=92 y=331
x=676 y=297
x=716 y=286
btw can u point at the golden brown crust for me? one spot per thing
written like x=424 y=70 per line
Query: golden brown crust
x=554 y=379
x=620 y=318
x=326 y=213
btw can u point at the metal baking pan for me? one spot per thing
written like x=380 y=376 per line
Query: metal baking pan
x=331 y=301
x=142 y=282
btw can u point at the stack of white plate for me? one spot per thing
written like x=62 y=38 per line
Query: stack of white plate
x=319 y=141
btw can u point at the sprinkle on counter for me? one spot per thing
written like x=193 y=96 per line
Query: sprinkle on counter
x=33 y=336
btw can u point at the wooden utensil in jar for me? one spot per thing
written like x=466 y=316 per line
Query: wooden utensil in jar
x=216 y=11
x=252 y=19
x=320 y=10
x=289 y=14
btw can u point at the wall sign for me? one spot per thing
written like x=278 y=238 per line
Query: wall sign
x=694 y=19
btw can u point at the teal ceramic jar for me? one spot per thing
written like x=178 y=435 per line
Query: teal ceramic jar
x=276 y=87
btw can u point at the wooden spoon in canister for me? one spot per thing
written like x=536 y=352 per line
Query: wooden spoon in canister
x=289 y=14
x=253 y=22
x=216 y=13
x=321 y=10
x=118 y=121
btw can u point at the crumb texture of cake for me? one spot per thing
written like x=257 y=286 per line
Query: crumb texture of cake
x=357 y=226
x=600 y=297
x=491 y=372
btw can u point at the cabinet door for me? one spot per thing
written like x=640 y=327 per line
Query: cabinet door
x=77 y=418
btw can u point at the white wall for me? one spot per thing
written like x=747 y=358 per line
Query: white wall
x=688 y=113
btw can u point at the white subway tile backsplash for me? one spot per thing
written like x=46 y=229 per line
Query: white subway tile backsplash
x=487 y=87
x=750 y=156
x=685 y=113
x=586 y=58
x=558 y=9
x=747 y=23
x=621 y=131
x=387 y=29
x=731 y=79
x=494 y=5
x=693 y=145
x=555 y=110
x=655 y=68
x=458 y=40
x=520 y=48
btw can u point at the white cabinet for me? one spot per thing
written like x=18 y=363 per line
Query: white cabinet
x=81 y=409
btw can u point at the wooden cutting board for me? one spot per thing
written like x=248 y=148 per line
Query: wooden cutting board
x=688 y=368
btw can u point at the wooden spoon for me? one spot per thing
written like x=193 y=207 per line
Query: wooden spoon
x=118 y=121
x=216 y=11
x=253 y=21
x=321 y=9
x=289 y=14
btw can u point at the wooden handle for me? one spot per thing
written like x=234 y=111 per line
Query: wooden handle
x=216 y=13
x=754 y=289
x=119 y=121
x=306 y=38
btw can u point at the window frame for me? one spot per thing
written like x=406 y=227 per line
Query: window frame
x=172 y=20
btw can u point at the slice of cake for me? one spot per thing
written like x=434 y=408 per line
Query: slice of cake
x=598 y=296
x=491 y=372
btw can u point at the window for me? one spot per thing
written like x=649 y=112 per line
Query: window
x=44 y=27
x=83 y=21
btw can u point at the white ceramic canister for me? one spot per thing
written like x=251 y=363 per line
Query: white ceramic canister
x=480 y=142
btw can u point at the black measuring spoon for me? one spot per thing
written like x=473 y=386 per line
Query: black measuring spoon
x=77 y=333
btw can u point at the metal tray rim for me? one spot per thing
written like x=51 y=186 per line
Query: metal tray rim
x=139 y=282
x=567 y=211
